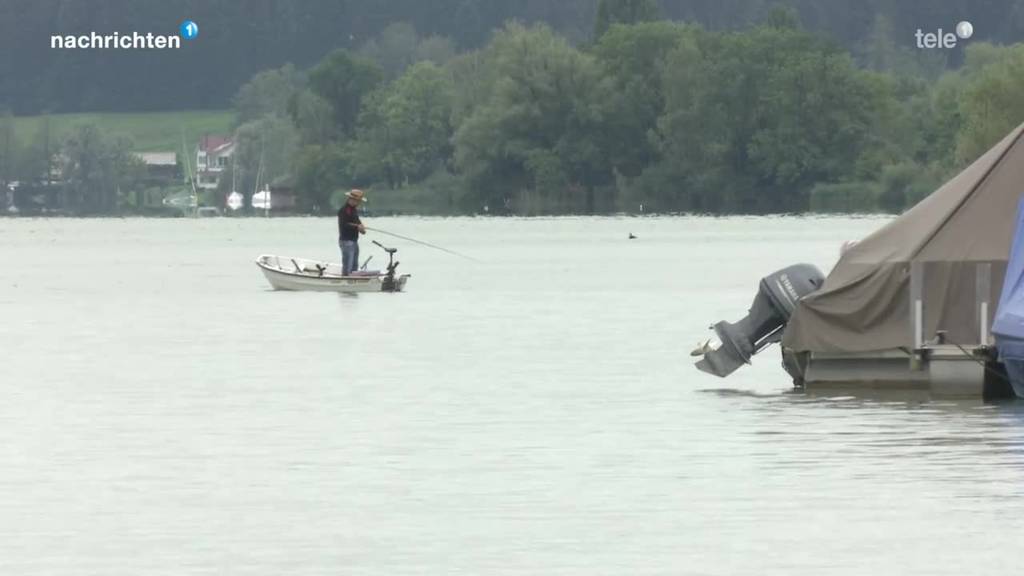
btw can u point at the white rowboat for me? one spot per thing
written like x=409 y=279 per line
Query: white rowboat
x=286 y=273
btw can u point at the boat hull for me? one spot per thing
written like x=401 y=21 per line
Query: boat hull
x=942 y=371
x=299 y=274
x=1011 y=353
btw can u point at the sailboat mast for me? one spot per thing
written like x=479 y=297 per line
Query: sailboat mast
x=191 y=175
x=259 y=174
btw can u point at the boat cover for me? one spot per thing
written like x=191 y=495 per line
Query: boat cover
x=1009 y=321
x=1008 y=327
x=951 y=235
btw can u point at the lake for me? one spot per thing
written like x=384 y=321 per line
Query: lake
x=535 y=412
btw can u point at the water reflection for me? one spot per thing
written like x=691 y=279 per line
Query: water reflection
x=882 y=438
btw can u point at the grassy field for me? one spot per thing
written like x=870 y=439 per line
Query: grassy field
x=149 y=131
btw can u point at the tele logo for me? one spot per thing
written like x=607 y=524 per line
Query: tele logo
x=940 y=39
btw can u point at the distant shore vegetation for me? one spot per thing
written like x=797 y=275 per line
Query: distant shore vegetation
x=647 y=115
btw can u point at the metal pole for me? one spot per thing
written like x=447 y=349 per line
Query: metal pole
x=982 y=291
x=917 y=301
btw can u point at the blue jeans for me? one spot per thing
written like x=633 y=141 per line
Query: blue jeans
x=349 y=257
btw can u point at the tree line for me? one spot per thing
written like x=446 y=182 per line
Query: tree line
x=238 y=39
x=653 y=115
x=649 y=115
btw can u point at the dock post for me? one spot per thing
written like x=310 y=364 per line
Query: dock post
x=982 y=291
x=917 y=312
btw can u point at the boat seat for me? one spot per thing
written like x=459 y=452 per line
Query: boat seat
x=317 y=269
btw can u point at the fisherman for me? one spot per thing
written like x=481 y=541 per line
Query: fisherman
x=349 y=229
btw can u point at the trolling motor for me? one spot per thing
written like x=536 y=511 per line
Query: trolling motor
x=388 y=283
x=776 y=299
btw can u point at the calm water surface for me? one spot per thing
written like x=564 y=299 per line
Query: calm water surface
x=535 y=413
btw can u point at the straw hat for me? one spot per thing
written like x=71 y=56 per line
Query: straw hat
x=356 y=195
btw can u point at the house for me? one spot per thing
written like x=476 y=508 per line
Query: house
x=284 y=196
x=162 y=172
x=161 y=167
x=212 y=157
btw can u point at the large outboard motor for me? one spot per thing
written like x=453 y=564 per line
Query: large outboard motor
x=774 y=304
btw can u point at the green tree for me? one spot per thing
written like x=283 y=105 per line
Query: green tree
x=8 y=153
x=883 y=53
x=267 y=93
x=100 y=173
x=326 y=117
x=313 y=117
x=753 y=120
x=37 y=158
x=633 y=58
x=437 y=49
x=991 y=105
x=320 y=170
x=405 y=128
x=342 y=80
x=264 y=149
x=399 y=46
x=782 y=17
x=535 y=121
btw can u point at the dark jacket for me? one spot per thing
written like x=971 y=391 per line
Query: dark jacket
x=348 y=223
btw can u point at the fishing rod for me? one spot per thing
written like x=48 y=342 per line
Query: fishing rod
x=428 y=244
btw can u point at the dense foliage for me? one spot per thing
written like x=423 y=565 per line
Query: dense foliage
x=671 y=117
x=759 y=112
x=239 y=38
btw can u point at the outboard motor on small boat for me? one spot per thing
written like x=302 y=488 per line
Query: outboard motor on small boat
x=388 y=284
x=776 y=299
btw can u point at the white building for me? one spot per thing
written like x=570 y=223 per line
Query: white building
x=212 y=157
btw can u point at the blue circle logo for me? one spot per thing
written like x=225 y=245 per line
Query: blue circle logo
x=189 y=29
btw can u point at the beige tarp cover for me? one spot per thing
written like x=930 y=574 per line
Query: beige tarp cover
x=864 y=304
